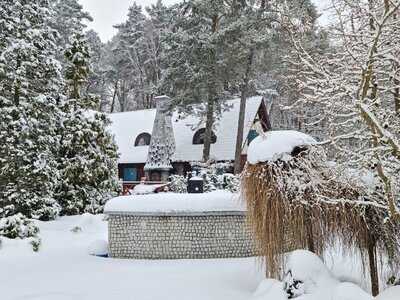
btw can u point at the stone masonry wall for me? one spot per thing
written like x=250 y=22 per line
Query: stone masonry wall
x=177 y=236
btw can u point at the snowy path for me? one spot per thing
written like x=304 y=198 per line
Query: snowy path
x=63 y=270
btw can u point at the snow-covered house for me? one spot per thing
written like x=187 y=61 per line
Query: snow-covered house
x=133 y=130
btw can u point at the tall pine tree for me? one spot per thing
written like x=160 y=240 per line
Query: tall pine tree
x=30 y=80
x=88 y=154
x=196 y=71
x=69 y=20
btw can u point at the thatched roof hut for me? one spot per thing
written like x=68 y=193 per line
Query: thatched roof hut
x=296 y=199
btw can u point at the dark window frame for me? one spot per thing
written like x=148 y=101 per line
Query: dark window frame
x=198 y=137
x=147 y=139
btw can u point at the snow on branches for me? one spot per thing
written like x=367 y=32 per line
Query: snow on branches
x=356 y=85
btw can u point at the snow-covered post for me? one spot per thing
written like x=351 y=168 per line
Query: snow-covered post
x=162 y=145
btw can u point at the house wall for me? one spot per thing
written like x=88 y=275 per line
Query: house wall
x=179 y=236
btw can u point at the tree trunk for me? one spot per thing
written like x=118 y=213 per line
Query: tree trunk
x=209 y=126
x=114 y=96
x=373 y=265
x=239 y=137
x=397 y=96
x=212 y=95
x=242 y=113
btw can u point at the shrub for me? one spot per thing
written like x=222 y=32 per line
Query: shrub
x=178 y=184
x=18 y=226
x=36 y=243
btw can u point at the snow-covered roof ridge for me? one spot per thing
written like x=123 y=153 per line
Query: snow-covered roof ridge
x=167 y=203
x=127 y=126
x=275 y=145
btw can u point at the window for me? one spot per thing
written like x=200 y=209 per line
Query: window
x=251 y=136
x=130 y=174
x=198 y=138
x=143 y=139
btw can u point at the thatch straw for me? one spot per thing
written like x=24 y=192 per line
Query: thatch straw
x=302 y=203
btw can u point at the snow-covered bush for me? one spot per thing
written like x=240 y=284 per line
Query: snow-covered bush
x=18 y=226
x=215 y=177
x=394 y=280
x=178 y=184
x=76 y=229
x=230 y=182
x=307 y=277
x=36 y=242
x=305 y=272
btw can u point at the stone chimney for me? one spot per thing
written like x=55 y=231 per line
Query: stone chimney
x=162 y=144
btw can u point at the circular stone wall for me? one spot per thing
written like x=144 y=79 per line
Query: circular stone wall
x=179 y=235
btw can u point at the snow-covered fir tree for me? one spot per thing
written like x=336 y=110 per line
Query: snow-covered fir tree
x=30 y=80
x=196 y=70
x=97 y=79
x=69 y=19
x=88 y=154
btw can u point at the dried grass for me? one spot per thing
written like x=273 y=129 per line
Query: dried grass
x=301 y=203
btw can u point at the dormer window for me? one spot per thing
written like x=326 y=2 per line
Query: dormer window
x=143 y=139
x=198 y=138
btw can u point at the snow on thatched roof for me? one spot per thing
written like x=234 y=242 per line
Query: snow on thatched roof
x=274 y=145
x=128 y=125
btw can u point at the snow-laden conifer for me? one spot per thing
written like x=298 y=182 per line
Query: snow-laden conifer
x=30 y=80
x=87 y=154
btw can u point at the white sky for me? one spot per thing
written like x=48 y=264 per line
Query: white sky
x=107 y=13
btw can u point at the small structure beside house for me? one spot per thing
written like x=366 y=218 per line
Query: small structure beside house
x=134 y=132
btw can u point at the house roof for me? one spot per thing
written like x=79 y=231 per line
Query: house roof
x=127 y=126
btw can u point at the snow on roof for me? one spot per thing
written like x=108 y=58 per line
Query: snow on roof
x=217 y=201
x=128 y=125
x=274 y=145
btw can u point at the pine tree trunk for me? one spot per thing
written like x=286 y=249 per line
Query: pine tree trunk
x=209 y=126
x=239 y=137
x=212 y=95
x=242 y=113
x=114 y=96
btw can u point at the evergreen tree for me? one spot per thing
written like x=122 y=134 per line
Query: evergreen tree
x=97 y=79
x=131 y=53
x=88 y=154
x=29 y=83
x=256 y=43
x=196 y=69
x=69 y=20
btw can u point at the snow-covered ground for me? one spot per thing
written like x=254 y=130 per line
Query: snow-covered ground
x=63 y=270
